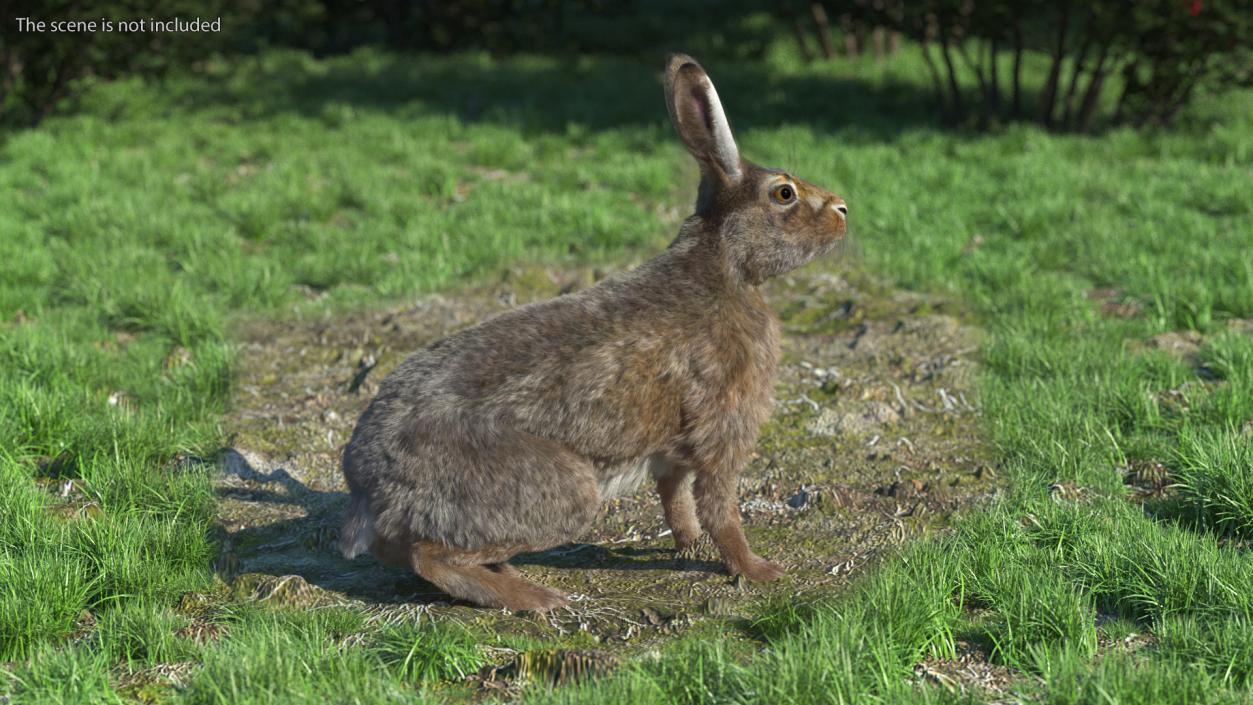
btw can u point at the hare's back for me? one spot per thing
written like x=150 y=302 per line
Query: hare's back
x=601 y=378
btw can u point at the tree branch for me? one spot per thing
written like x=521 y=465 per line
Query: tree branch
x=1049 y=96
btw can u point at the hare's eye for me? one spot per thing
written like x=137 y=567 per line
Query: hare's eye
x=784 y=194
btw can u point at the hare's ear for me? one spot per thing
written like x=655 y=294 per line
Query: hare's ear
x=697 y=115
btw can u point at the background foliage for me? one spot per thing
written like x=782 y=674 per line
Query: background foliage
x=1110 y=61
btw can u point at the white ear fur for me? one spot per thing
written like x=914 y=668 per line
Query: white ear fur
x=724 y=147
x=698 y=116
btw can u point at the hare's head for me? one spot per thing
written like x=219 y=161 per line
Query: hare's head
x=769 y=221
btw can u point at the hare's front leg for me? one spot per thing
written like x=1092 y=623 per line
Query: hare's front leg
x=719 y=513
x=679 y=507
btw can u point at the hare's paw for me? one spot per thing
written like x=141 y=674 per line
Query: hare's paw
x=530 y=596
x=761 y=570
x=685 y=543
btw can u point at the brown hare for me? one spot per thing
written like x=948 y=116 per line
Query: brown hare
x=506 y=437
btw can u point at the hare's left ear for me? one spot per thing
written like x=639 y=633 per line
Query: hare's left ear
x=698 y=117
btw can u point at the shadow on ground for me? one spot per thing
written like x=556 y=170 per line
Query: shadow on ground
x=552 y=95
x=289 y=529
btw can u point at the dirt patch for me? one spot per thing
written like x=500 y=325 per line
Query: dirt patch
x=970 y=673
x=1112 y=302
x=874 y=441
x=1187 y=345
x=1183 y=344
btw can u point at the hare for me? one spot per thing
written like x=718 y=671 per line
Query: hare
x=506 y=437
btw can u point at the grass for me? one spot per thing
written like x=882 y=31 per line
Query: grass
x=137 y=228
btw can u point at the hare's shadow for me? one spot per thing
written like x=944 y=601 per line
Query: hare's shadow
x=590 y=555
x=306 y=545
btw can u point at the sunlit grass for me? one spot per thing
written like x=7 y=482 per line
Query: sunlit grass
x=134 y=231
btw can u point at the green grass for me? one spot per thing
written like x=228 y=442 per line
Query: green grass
x=138 y=228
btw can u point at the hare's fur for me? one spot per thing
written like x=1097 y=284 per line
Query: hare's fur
x=505 y=437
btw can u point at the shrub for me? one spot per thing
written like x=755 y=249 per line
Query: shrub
x=1159 y=51
x=40 y=70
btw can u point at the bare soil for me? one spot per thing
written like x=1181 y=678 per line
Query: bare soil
x=874 y=441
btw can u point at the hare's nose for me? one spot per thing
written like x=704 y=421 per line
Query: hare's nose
x=839 y=207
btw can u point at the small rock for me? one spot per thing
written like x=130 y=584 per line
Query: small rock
x=757 y=505
x=825 y=374
x=832 y=423
x=800 y=500
x=827 y=423
x=815 y=496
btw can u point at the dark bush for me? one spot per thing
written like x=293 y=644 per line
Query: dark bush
x=500 y=26
x=1178 y=47
x=1129 y=61
x=1158 y=52
x=39 y=70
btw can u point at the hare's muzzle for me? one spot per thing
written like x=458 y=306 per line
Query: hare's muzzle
x=835 y=212
x=827 y=204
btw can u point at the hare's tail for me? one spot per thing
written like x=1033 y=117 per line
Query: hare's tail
x=357 y=533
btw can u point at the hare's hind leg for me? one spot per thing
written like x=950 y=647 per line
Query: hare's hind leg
x=504 y=568
x=482 y=577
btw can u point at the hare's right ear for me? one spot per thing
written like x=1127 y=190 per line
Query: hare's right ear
x=697 y=115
